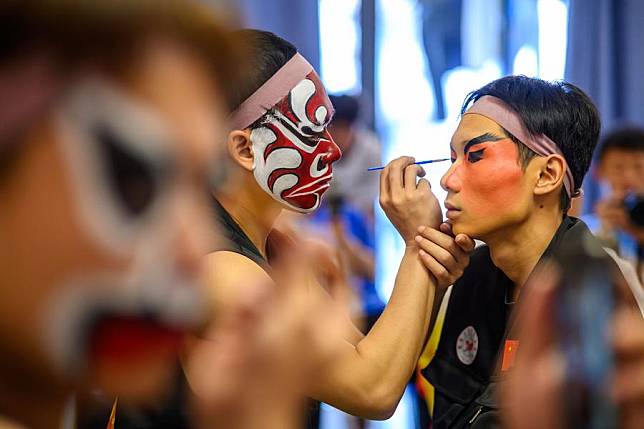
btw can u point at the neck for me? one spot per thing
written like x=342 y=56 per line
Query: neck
x=34 y=406
x=517 y=250
x=253 y=210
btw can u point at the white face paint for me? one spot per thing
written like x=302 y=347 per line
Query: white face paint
x=121 y=164
x=293 y=150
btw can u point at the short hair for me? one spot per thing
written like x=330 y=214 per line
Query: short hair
x=347 y=108
x=75 y=34
x=265 y=53
x=627 y=138
x=559 y=110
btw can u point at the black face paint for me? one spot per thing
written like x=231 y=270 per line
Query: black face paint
x=477 y=155
x=131 y=177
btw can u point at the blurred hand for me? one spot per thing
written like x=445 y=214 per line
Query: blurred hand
x=444 y=255
x=628 y=388
x=406 y=203
x=533 y=392
x=541 y=366
x=250 y=369
x=612 y=213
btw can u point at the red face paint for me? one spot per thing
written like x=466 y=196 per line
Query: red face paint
x=294 y=152
x=485 y=182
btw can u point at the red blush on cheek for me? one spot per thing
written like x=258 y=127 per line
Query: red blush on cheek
x=494 y=182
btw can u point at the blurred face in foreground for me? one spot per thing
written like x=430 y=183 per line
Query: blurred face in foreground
x=103 y=223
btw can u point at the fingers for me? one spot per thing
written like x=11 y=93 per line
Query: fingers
x=437 y=252
x=396 y=173
x=435 y=268
x=465 y=242
x=385 y=192
x=442 y=241
x=441 y=255
x=391 y=179
x=410 y=174
x=446 y=228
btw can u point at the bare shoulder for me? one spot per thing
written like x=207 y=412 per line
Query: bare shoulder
x=229 y=274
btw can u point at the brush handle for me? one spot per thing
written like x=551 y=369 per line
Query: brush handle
x=430 y=161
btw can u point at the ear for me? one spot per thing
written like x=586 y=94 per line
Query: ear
x=240 y=148
x=551 y=175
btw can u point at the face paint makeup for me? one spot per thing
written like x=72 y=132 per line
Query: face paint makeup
x=485 y=182
x=293 y=150
x=119 y=158
x=500 y=113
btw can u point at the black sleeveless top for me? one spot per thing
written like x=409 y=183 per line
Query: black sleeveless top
x=237 y=241
x=465 y=371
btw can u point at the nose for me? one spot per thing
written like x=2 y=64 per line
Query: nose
x=451 y=180
x=331 y=149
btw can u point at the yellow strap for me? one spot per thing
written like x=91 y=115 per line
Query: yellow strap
x=112 y=421
x=430 y=351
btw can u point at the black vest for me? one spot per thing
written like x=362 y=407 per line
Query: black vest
x=464 y=371
x=237 y=241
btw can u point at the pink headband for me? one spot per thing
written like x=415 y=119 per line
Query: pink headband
x=27 y=88
x=270 y=93
x=495 y=109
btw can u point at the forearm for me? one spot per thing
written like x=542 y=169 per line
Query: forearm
x=369 y=379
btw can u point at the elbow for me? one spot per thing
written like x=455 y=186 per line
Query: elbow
x=381 y=403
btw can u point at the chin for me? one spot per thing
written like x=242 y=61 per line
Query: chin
x=466 y=228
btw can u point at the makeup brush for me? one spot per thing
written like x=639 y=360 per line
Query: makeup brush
x=417 y=163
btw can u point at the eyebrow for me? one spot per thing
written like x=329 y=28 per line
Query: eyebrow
x=487 y=137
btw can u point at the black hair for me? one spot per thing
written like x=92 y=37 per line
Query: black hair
x=266 y=54
x=109 y=35
x=559 y=110
x=347 y=108
x=629 y=138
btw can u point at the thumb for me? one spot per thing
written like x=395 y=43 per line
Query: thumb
x=465 y=242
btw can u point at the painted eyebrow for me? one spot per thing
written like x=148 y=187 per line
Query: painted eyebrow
x=487 y=137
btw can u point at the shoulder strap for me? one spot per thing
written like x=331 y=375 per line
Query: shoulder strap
x=236 y=239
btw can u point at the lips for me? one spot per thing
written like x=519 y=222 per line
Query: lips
x=307 y=196
x=452 y=210
x=450 y=206
x=321 y=184
x=121 y=339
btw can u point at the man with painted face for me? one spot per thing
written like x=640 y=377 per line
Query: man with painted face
x=519 y=156
x=108 y=117
x=281 y=157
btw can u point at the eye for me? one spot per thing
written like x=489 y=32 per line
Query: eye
x=452 y=156
x=131 y=176
x=475 y=155
x=314 y=141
